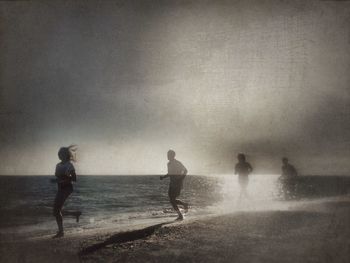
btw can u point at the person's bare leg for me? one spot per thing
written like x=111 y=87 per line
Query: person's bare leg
x=185 y=205
x=59 y=200
x=61 y=197
x=76 y=214
x=176 y=208
x=240 y=196
x=59 y=221
x=246 y=193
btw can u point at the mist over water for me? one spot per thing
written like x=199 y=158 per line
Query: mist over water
x=263 y=193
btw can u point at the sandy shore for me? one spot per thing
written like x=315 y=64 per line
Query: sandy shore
x=312 y=232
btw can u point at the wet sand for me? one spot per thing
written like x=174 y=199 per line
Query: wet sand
x=317 y=231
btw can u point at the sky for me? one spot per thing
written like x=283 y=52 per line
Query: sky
x=128 y=80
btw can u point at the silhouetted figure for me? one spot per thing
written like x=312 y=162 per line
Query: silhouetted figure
x=243 y=169
x=288 y=179
x=65 y=175
x=177 y=173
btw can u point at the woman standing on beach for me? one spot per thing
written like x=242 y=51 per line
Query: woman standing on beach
x=243 y=169
x=65 y=175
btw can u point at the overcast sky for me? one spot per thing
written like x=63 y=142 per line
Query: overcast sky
x=127 y=81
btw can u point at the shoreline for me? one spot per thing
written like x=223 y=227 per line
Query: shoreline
x=316 y=231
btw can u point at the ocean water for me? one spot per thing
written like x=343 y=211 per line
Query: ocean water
x=122 y=201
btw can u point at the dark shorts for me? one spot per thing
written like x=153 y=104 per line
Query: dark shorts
x=174 y=191
x=243 y=180
x=61 y=196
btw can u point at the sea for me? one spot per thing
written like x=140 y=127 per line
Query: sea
x=122 y=202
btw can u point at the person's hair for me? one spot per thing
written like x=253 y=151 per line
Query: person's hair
x=241 y=156
x=171 y=153
x=284 y=159
x=67 y=153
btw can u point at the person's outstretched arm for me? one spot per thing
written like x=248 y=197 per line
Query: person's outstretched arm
x=164 y=176
x=184 y=171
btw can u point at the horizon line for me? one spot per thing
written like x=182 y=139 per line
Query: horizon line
x=211 y=175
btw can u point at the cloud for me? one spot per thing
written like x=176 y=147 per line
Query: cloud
x=127 y=81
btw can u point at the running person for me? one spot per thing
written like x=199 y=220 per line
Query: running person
x=177 y=173
x=288 y=170
x=65 y=175
x=243 y=169
x=288 y=179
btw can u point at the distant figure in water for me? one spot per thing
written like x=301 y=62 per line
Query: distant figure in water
x=243 y=169
x=65 y=175
x=177 y=173
x=288 y=178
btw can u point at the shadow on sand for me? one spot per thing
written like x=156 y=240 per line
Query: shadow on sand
x=124 y=237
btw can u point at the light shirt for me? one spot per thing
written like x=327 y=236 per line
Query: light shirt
x=177 y=172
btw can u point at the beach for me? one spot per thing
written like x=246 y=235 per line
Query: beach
x=314 y=231
x=120 y=117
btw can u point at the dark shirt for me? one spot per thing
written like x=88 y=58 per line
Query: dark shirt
x=289 y=171
x=65 y=174
x=243 y=168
